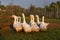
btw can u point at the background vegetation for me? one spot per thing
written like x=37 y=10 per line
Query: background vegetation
x=51 y=11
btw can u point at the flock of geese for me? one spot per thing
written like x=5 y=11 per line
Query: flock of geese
x=32 y=26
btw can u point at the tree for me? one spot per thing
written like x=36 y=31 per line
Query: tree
x=54 y=8
x=35 y=10
x=58 y=9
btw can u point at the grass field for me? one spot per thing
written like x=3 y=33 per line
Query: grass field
x=52 y=33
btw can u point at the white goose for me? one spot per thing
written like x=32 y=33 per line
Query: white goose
x=43 y=25
x=26 y=27
x=33 y=25
x=38 y=22
x=19 y=23
x=17 y=26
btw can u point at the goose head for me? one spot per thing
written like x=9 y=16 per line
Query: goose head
x=13 y=15
x=23 y=15
x=15 y=19
x=37 y=16
x=32 y=18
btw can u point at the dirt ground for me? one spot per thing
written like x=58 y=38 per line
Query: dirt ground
x=54 y=25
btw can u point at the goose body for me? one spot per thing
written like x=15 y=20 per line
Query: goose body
x=16 y=25
x=33 y=25
x=26 y=26
x=43 y=25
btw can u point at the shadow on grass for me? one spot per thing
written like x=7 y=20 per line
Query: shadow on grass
x=11 y=26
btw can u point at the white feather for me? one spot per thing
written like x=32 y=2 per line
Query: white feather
x=17 y=24
x=43 y=25
x=26 y=27
x=33 y=25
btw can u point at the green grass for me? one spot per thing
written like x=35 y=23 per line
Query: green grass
x=50 y=34
x=52 y=20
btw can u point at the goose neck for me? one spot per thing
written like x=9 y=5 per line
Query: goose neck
x=19 y=19
x=15 y=20
x=43 y=19
x=24 y=18
x=32 y=19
